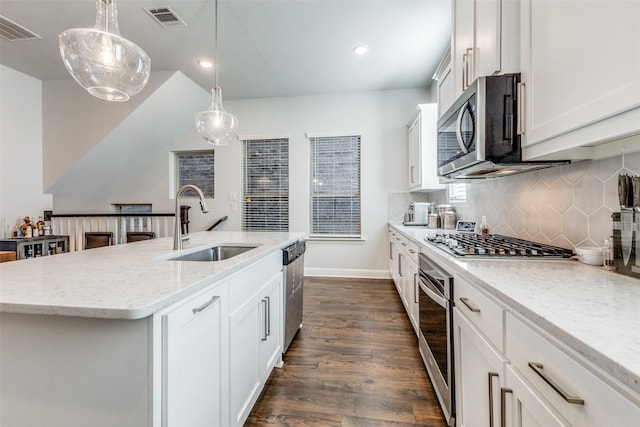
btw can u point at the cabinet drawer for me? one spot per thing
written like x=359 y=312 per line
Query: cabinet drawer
x=412 y=250
x=246 y=283
x=481 y=310
x=535 y=357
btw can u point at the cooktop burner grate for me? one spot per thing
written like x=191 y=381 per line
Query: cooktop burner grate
x=496 y=245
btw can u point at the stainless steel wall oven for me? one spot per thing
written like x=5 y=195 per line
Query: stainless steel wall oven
x=436 y=331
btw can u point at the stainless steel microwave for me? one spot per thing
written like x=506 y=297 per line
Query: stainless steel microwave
x=478 y=136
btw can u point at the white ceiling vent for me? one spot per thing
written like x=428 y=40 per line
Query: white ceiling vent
x=166 y=17
x=12 y=31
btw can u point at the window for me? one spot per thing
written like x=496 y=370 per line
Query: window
x=335 y=186
x=265 y=185
x=196 y=168
x=457 y=193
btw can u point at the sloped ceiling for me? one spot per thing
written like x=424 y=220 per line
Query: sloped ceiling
x=111 y=162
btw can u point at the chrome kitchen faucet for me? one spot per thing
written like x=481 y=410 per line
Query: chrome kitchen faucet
x=177 y=234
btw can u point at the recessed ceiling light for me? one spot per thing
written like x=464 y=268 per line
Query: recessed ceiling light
x=361 y=50
x=205 y=64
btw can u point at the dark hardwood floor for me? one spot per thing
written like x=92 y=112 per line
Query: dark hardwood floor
x=355 y=362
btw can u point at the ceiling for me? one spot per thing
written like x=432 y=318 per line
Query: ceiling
x=267 y=48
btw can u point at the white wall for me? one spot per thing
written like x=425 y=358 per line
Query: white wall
x=380 y=116
x=21 y=188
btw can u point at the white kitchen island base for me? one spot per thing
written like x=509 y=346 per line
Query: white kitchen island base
x=167 y=362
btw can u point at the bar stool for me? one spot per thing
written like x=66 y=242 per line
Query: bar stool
x=136 y=236
x=97 y=239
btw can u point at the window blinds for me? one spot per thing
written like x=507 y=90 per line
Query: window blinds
x=335 y=186
x=265 y=187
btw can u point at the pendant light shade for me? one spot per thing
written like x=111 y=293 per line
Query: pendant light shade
x=216 y=125
x=109 y=66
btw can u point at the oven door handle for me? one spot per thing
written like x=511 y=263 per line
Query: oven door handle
x=425 y=286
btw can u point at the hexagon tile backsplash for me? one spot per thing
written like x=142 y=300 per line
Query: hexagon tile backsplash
x=566 y=206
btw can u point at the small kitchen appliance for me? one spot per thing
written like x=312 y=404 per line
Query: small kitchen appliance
x=418 y=214
x=479 y=135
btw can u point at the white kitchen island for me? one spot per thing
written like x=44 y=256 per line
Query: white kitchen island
x=123 y=336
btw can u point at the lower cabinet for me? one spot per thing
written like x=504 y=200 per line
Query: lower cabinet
x=191 y=365
x=565 y=385
x=531 y=380
x=255 y=346
x=523 y=407
x=479 y=376
x=403 y=265
x=410 y=292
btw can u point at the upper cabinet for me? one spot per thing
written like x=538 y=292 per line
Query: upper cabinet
x=444 y=81
x=485 y=40
x=423 y=150
x=581 y=76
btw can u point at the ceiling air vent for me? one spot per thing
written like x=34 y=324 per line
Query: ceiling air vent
x=12 y=31
x=166 y=17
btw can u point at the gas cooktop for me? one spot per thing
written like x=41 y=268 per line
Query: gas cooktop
x=496 y=246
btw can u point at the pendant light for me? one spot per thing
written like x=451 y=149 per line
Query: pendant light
x=216 y=125
x=109 y=66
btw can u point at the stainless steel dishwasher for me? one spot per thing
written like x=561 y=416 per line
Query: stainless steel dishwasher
x=293 y=270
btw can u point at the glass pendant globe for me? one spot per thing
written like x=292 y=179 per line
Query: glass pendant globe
x=107 y=65
x=216 y=125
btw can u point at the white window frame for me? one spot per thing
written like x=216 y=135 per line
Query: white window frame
x=315 y=234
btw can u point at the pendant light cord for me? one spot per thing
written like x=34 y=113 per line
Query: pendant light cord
x=216 y=45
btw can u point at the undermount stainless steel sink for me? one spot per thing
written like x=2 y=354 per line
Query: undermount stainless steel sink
x=215 y=253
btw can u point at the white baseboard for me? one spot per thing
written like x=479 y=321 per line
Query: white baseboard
x=347 y=272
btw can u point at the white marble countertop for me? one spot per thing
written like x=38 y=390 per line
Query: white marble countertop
x=128 y=281
x=592 y=311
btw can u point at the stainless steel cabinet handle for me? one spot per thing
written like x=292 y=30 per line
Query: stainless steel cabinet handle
x=264 y=312
x=268 y=317
x=415 y=288
x=404 y=244
x=412 y=251
x=391 y=251
x=492 y=375
x=413 y=181
x=400 y=264
x=503 y=405
x=469 y=66
x=520 y=124
x=538 y=369
x=470 y=306
x=464 y=71
x=205 y=305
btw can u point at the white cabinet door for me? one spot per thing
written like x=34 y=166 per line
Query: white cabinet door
x=462 y=43
x=487 y=48
x=479 y=375
x=411 y=294
x=255 y=336
x=524 y=407
x=580 y=67
x=191 y=363
x=415 y=172
x=423 y=149
x=271 y=340
x=446 y=93
x=245 y=334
